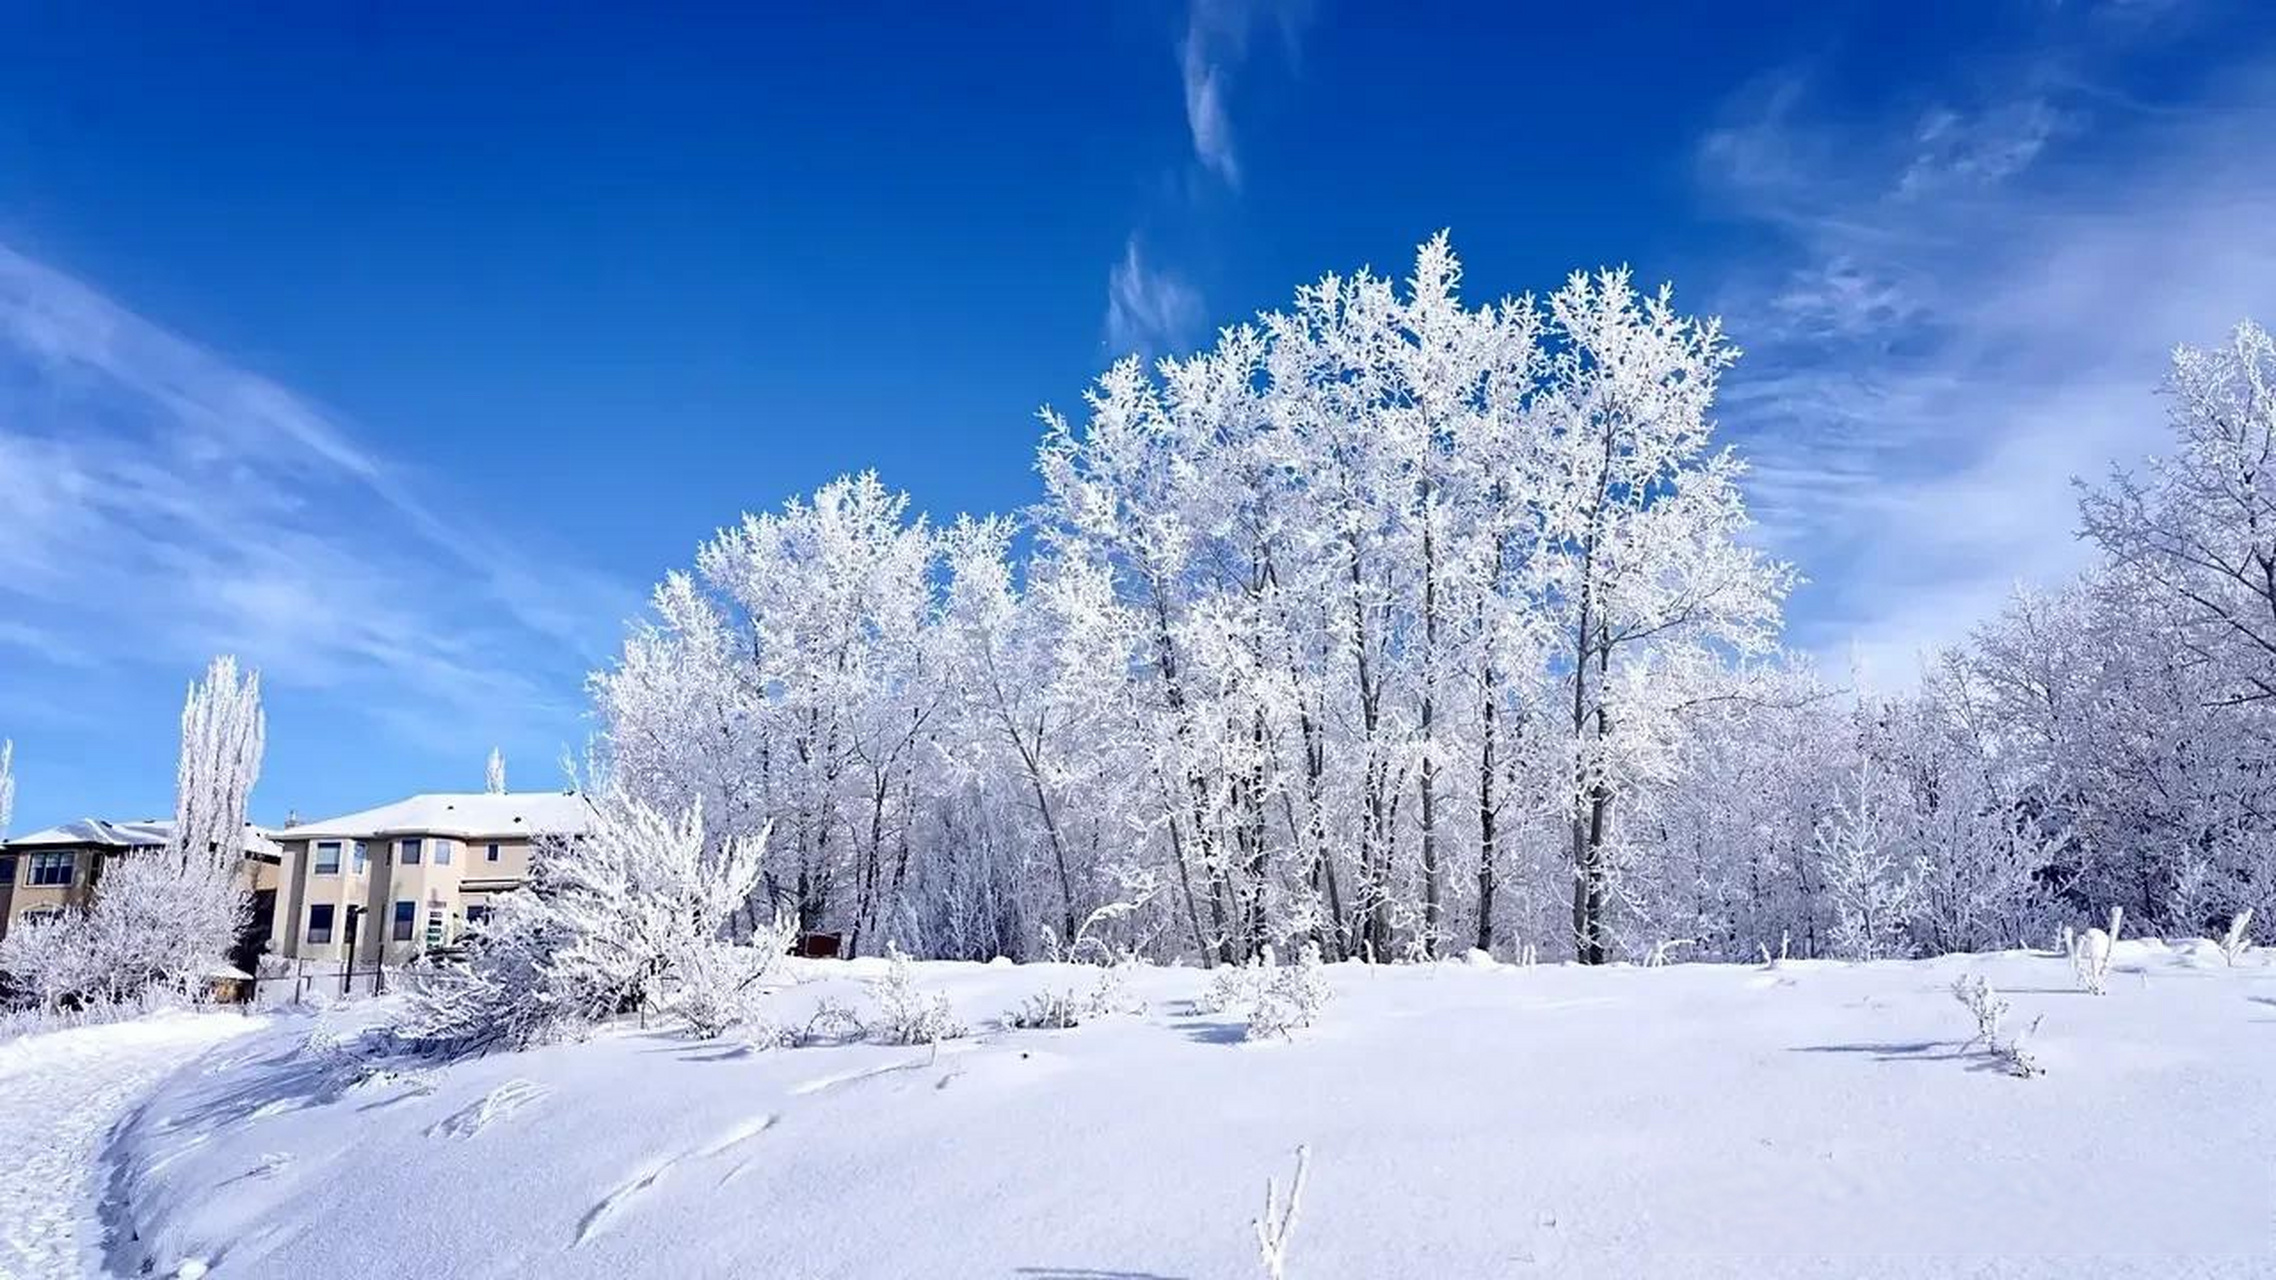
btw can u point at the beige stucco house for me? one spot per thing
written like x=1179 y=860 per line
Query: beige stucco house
x=46 y=872
x=410 y=876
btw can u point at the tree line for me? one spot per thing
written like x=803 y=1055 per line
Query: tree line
x=1401 y=627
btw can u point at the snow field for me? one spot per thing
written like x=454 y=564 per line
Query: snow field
x=1464 y=1120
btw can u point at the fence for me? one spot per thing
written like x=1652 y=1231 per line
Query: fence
x=322 y=980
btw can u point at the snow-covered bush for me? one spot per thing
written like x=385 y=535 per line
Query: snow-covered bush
x=2238 y=939
x=1052 y=1009
x=832 y=1022
x=612 y=921
x=1059 y=1008
x=1663 y=951
x=717 y=985
x=1990 y=1010
x=1236 y=986
x=2090 y=953
x=906 y=1015
x=1292 y=996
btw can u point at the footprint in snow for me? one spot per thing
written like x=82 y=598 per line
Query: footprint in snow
x=493 y=1106
x=613 y=1204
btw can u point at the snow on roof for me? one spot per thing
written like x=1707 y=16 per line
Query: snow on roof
x=101 y=834
x=464 y=815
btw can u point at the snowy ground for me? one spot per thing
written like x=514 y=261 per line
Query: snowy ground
x=60 y=1094
x=1815 y=1120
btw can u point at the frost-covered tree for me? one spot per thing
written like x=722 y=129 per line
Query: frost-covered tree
x=2201 y=523
x=1641 y=560
x=1388 y=619
x=167 y=917
x=7 y=784
x=613 y=920
x=1867 y=881
x=494 y=775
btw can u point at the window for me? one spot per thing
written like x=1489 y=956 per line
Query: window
x=320 y=922
x=407 y=852
x=8 y=868
x=363 y=856
x=406 y=916
x=491 y=854
x=51 y=869
x=442 y=853
x=327 y=857
x=477 y=913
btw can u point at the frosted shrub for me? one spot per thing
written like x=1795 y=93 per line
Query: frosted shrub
x=905 y=1014
x=1057 y=1009
x=1279 y=1220
x=1663 y=951
x=1990 y=1010
x=622 y=918
x=1236 y=986
x=719 y=983
x=1292 y=997
x=2091 y=951
x=832 y=1022
x=1050 y=1010
x=2237 y=940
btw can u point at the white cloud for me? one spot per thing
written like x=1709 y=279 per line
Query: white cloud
x=1974 y=307
x=164 y=505
x=1148 y=311
x=1952 y=148
x=1216 y=42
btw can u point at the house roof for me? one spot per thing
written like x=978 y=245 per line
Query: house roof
x=98 y=833
x=461 y=815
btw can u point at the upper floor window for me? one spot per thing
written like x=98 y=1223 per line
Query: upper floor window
x=327 y=857
x=363 y=856
x=320 y=922
x=52 y=868
x=8 y=868
x=442 y=853
x=491 y=854
x=407 y=852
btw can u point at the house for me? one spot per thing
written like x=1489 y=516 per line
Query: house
x=409 y=877
x=46 y=872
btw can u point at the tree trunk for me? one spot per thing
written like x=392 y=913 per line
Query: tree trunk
x=1433 y=907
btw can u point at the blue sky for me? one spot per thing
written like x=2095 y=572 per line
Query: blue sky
x=398 y=349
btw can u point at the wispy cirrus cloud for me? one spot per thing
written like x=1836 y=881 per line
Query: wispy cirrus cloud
x=1217 y=39
x=1151 y=309
x=1148 y=310
x=1974 y=303
x=165 y=505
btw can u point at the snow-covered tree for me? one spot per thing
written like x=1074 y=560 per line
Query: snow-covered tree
x=494 y=776
x=1867 y=881
x=167 y=917
x=1388 y=619
x=1640 y=556
x=7 y=784
x=613 y=920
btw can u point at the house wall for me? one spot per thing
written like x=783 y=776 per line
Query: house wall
x=20 y=897
x=451 y=874
x=24 y=898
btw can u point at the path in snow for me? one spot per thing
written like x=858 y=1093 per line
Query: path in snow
x=60 y=1093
